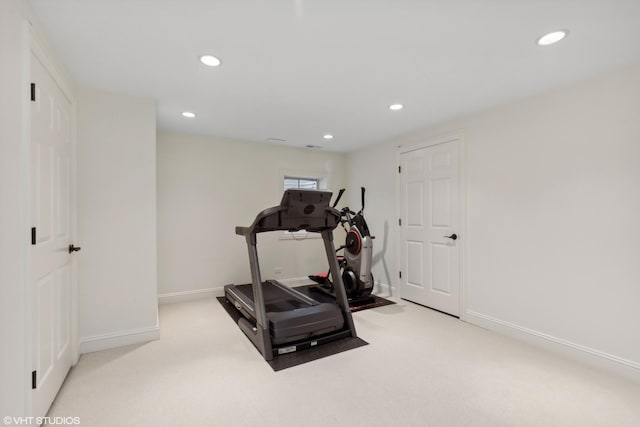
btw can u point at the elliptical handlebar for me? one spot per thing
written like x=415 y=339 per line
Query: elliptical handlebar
x=347 y=215
x=340 y=193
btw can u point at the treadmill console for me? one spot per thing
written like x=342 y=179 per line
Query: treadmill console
x=305 y=203
x=299 y=210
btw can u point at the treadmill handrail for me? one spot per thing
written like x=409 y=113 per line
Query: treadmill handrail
x=293 y=293
x=243 y=231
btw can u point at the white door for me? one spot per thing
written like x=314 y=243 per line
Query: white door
x=51 y=184
x=430 y=226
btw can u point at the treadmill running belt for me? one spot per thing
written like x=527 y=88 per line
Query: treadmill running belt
x=274 y=299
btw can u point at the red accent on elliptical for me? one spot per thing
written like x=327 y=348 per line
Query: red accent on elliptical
x=358 y=241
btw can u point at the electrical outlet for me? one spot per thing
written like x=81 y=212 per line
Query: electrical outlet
x=277 y=270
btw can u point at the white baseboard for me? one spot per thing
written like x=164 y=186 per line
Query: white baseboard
x=173 y=297
x=599 y=359
x=119 y=339
x=381 y=289
x=218 y=291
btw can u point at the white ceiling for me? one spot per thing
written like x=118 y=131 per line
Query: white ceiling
x=297 y=69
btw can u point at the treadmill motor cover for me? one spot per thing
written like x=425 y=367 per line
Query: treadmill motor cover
x=304 y=322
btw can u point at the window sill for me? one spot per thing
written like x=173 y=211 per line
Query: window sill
x=287 y=235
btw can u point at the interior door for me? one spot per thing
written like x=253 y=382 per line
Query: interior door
x=51 y=215
x=430 y=222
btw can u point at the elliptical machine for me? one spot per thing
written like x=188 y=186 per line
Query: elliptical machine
x=355 y=263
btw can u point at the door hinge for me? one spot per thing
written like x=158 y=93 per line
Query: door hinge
x=400 y=274
x=399 y=169
x=400 y=222
x=33 y=91
x=34 y=380
x=33 y=235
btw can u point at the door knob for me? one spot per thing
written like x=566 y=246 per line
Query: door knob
x=73 y=249
x=454 y=236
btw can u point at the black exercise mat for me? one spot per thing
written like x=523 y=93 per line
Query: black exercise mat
x=284 y=361
x=373 y=302
x=230 y=309
x=299 y=357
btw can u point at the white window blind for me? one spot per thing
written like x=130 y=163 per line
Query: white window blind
x=303 y=183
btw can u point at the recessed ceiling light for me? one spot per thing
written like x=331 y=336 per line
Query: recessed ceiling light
x=328 y=136
x=188 y=114
x=396 y=107
x=210 y=60
x=552 y=37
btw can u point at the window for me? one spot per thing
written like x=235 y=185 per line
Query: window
x=304 y=183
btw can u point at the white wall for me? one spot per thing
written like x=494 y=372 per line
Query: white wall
x=553 y=243
x=206 y=187
x=117 y=271
x=14 y=368
x=376 y=169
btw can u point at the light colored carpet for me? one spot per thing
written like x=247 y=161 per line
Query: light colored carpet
x=421 y=368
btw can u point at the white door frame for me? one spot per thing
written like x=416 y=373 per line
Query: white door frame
x=38 y=49
x=462 y=197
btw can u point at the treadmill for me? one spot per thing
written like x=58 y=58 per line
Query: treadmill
x=279 y=319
